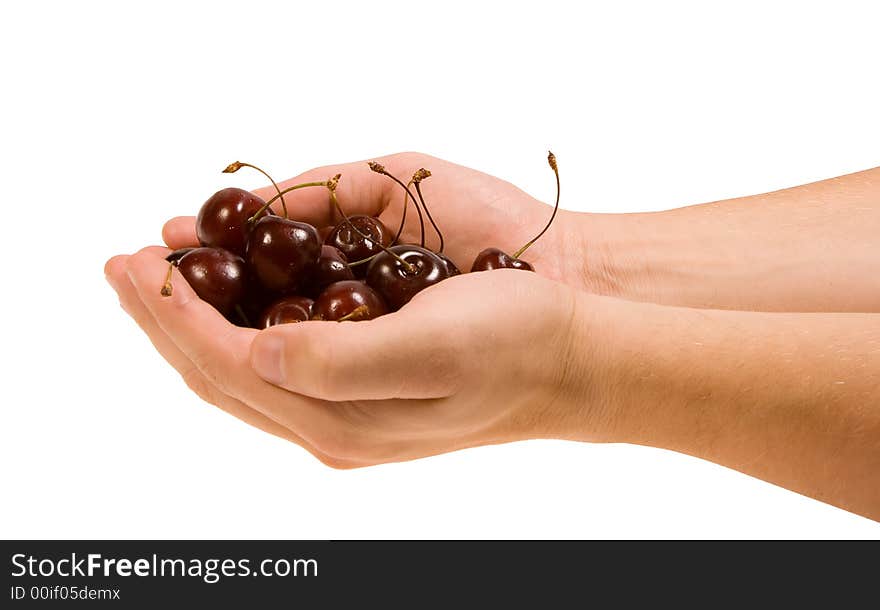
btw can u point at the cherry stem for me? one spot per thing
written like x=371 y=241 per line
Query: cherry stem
x=424 y=205
x=362 y=261
x=355 y=313
x=551 y=159
x=331 y=186
x=234 y=167
x=380 y=169
x=280 y=194
x=167 y=289
x=402 y=219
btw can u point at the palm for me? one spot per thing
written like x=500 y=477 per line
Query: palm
x=473 y=210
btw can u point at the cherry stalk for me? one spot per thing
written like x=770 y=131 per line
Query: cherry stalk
x=551 y=160
x=380 y=169
x=495 y=258
x=331 y=186
x=417 y=178
x=281 y=194
x=237 y=165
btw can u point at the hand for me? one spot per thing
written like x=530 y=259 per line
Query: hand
x=507 y=355
x=213 y=356
x=473 y=210
x=480 y=358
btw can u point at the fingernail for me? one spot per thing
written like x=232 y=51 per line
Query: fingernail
x=267 y=358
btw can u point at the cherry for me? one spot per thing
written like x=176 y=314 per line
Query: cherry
x=237 y=165
x=495 y=258
x=349 y=300
x=394 y=278
x=286 y=311
x=281 y=252
x=399 y=273
x=418 y=177
x=222 y=221
x=255 y=301
x=332 y=266
x=216 y=275
x=450 y=266
x=354 y=245
x=366 y=238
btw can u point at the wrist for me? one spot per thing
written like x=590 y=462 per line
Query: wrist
x=616 y=256
x=586 y=403
x=620 y=386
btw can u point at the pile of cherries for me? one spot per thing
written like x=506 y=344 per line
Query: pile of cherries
x=259 y=268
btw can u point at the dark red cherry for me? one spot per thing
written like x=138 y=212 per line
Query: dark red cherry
x=255 y=301
x=216 y=275
x=450 y=266
x=287 y=311
x=349 y=299
x=398 y=284
x=281 y=253
x=352 y=245
x=331 y=267
x=494 y=258
x=222 y=220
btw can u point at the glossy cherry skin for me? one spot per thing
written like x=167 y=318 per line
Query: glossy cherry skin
x=342 y=298
x=331 y=267
x=396 y=283
x=494 y=258
x=218 y=276
x=287 y=311
x=355 y=247
x=281 y=253
x=222 y=220
x=450 y=266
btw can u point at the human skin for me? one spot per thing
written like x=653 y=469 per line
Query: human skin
x=509 y=355
x=808 y=248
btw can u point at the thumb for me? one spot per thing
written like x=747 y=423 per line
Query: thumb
x=400 y=355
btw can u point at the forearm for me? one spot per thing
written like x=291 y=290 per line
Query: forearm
x=790 y=398
x=810 y=248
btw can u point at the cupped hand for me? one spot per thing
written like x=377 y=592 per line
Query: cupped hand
x=480 y=358
x=473 y=210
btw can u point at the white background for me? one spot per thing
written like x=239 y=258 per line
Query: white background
x=116 y=117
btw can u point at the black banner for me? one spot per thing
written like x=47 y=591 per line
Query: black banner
x=286 y=574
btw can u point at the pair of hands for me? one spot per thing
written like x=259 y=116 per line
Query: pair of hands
x=477 y=359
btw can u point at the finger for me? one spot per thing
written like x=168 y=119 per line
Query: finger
x=360 y=190
x=118 y=278
x=115 y=270
x=131 y=303
x=401 y=355
x=221 y=351
x=180 y=232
